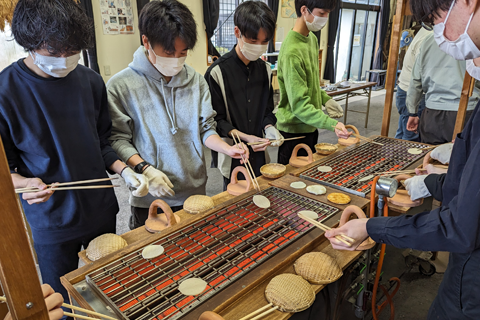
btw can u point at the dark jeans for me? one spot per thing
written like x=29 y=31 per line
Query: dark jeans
x=286 y=149
x=140 y=215
x=402 y=132
x=58 y=259
x=436 y=126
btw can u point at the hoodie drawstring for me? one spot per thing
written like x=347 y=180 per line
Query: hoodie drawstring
x=173 y=120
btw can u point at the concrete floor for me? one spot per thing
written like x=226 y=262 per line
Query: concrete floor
x=417 y=291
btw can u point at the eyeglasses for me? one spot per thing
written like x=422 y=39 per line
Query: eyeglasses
x=427 y=25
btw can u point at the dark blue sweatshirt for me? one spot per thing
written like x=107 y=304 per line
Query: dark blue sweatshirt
x=57 y=130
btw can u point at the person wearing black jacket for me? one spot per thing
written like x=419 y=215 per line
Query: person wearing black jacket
x=55 y=125
x=455 y=226
x=241 y=89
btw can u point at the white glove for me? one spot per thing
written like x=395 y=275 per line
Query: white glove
x=136 y=181
x=416 y=187
x=334 y=110
x=442 y=153
x=272 y=133
x=160 y=185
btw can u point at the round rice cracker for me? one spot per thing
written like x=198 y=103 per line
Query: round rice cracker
x=298 y=185
x=192 y=286
x=261 y=201
x=339 y=198
x=316 y=189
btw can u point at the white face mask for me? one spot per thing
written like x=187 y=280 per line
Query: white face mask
x=169 y=67
x=317 y=24
x=253 y=51
x=461 y=49
x=473 y=70
x=58 y=67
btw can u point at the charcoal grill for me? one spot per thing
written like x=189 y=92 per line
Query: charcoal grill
x=219 y=249
x=366 y=159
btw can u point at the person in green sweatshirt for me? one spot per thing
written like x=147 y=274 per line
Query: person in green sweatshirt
x=301 y=99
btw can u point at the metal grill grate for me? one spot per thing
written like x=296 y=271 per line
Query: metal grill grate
x=218 y=249
x=351 y=166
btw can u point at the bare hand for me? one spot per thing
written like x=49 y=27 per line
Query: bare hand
x=412 y=124
x=356 y=229
x=37 y=197
x=237 y=151
x=258 y=147
x=341 y=131
x=53 y=302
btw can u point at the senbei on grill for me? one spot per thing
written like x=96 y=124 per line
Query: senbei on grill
x=219 y=249
x=349 y=167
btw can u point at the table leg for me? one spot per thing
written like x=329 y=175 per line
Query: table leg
x=346 y=108
x=368 y=106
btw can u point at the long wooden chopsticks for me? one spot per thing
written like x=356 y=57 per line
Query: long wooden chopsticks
x=323 y=227
x=69 y=306
x=35 y=189
x=363 y=138
x=270 y=308
x=246 y=163
x=273 y=141
x=67 y=188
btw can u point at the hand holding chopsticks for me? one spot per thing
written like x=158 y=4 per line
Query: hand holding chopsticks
x=246 y=163
x=362 y=137
x=273 y=141
x=342 y=238
x=60 y=186
x=78 y=309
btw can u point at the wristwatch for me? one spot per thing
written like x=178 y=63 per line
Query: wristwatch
x=140 y=167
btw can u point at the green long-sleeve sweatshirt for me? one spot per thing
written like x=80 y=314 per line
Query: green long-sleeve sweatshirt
x=301 y=98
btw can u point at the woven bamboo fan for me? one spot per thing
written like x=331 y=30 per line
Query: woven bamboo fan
x=104 y=245
x=318 y=268
x=287 y=293
x=198 y=204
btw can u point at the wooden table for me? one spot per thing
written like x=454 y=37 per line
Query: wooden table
x=365 y=91
x=246 y=295
x=140 y=233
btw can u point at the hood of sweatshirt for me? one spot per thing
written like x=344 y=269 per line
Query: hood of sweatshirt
x=142 y=65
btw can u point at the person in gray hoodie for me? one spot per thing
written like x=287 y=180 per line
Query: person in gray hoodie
x=161 y=111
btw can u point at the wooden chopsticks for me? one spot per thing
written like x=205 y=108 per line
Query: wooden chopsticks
x=69 y=306
x=273 y=141
x=270 y=308
x=323 y=227
x=55 y=186
x=367 y=139
x=246 y=163
x=396 y=172
x=362 y=137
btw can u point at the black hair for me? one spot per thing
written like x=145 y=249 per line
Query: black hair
x=60 y=26
x=429 y=9
x=312 y=4
x=251 y=16
x=164 y=21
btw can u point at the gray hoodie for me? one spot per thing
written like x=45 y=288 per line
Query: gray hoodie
x=165 y=123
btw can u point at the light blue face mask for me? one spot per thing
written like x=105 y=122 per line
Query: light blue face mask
x=58 y=67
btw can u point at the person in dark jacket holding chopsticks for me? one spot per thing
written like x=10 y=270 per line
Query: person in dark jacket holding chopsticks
x=241 y=88
x=455 y=226
x=54 y=124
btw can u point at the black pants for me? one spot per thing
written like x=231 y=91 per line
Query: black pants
x=58 y=259
x=436 y=126
x=285 y=150
x=140 y=215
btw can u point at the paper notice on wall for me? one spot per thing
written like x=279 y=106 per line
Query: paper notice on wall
x=117 y=16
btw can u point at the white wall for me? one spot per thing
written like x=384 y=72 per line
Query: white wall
x=116 y=51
